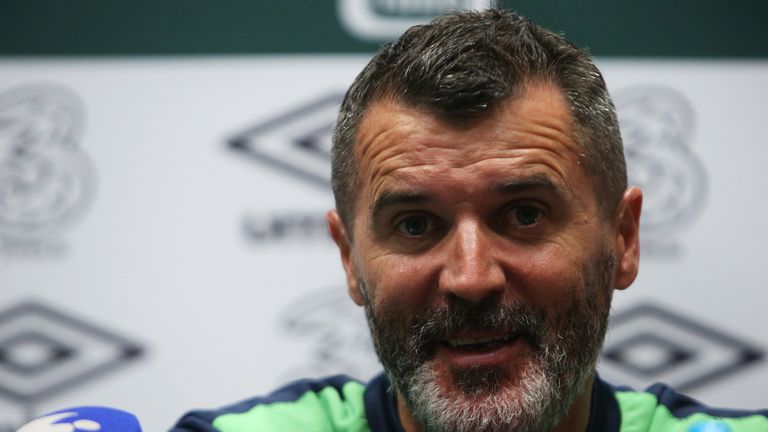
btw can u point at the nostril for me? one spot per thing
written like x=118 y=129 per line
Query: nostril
x=476 y=297
x=473 y=284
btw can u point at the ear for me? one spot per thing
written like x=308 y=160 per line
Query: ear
x=628 y=238
x=339 y=234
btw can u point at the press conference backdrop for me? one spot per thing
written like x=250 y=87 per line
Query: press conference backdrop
x=164 y=176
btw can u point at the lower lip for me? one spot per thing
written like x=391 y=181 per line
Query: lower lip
x=503 y=354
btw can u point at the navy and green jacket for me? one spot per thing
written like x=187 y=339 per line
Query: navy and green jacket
x=342 y=404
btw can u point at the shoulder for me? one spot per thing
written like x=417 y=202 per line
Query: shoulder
x=329 y=404
x=661 y=408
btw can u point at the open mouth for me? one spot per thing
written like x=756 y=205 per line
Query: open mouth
x=483 y=348
x=480 y=343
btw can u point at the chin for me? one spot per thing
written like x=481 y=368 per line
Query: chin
x=483 y=399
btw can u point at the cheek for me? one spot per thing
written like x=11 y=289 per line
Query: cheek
x=401 y=281
x=551 y=278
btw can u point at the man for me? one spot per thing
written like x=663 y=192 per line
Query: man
x=483 y=220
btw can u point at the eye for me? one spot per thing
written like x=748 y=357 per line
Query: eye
x=521 y=215
x=527 y=214
x=415 y=225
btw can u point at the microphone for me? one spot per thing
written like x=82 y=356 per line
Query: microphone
x=84 y=419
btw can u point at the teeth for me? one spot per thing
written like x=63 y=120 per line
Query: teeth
x=462 y=342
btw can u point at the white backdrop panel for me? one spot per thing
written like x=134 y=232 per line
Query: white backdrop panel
x=214 y=261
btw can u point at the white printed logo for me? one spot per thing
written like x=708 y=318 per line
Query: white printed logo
x=379 y=20
x=48 y=424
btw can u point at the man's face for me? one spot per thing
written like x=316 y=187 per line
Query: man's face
x=484 y=261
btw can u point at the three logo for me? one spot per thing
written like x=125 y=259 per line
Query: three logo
x=46 y=179
x=657 y=125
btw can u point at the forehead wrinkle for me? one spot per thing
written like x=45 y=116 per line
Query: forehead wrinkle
x=407 y=176
x=543 y=122
x=368 y=152
x=398 y=121
x=533 y=158
x=555 y=142
x=507 y=145
x=380 y=173
x=553 y=132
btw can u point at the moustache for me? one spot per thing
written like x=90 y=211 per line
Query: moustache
x=446 y=321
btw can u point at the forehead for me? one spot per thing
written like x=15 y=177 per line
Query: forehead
x=404 y=148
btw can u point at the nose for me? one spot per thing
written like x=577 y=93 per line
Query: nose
x=471 y=270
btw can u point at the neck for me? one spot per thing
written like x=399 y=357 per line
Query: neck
x=406 y=417
x=577 y=416
x=575 y=419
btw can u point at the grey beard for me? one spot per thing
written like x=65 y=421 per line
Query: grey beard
x=502 y=408
x=543 y=392
x=566 y=351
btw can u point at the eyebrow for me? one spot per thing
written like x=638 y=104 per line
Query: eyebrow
x=394 y=198
x=534 y=182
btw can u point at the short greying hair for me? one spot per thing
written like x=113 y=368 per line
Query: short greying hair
x=460 y=66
